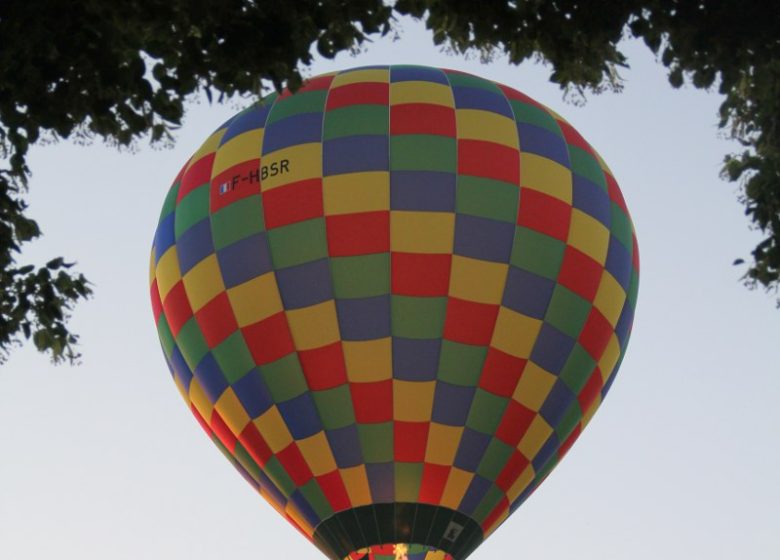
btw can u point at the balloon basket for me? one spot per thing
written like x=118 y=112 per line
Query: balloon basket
x=399 y=551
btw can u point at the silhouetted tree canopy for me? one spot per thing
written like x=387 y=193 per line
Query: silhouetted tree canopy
x=120 y=71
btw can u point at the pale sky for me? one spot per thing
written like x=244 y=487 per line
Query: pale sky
x=104 y=461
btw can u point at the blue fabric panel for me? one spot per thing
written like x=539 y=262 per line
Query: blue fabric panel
x=432 y=191
x=364 y=318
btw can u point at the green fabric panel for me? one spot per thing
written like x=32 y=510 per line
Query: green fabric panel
x=487 y=198
x=284 y=378
x=275 y=471
x=570 y=419
x=620 y=227
x=237 y=221
x=334 y=407
x=494 y=460
x=267 y=99
x=245 y=460
x=423 y=152
x=486 y=412
x=577 y=369
x=488 y=503
x=317 y=500
x=461 y=364
x=567 y=311
x=546 y=469
x=165 y=334
x=417 y=317
x=191 y=209
x=169 y=205
x=530 y=114
x=360 y=276
x=233 y=357
x=356 y=120
x=633 y=289
x=298 y=243
x=408 y=477
x=224 y=450
x=191 y=343
x=620 y=358
x=376 y=441
x=536 y=252
x=301 y=102
x=467 y=80
x=585 y=165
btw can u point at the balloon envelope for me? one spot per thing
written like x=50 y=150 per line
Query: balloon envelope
x=393 y=299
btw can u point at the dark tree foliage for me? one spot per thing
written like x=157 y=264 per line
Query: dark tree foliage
x=121 y=71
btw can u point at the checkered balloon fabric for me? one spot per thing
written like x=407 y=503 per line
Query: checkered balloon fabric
x=393 y=300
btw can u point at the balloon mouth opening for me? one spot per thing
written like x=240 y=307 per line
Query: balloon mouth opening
x=398 y=551
x=398 y=531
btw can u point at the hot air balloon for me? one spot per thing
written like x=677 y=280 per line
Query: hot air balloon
x=393 y=299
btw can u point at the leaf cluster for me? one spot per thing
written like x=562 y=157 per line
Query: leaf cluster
x=35 y=302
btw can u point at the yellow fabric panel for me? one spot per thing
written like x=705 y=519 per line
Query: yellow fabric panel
x=421 y=92
x=271 y=499
x=203 y=282
x=610 y=298
x=291 y=510
x=457 y=484
x=475 y=124
x=317 y=454
x=273 y=429
x=477 y=280
x=589 y=236
x=515 y=333
x=534 y=437
x=361 y=76
x=314 y=326
x=602 y=163
x=533 y=387
x=555 y=115
x=526 y=477
x=442 y=444
x=587 y=416
x=244 y=147
x=356 y=192
x=356 y=483
x=406 y=486
x=167 y=272
x=200 y=400
x=181 y=389
x=191 y=355
x=609 y=358
x=413 y=400
x=368 y=360
x=255 y=300
x=208 y=147
x=305 y=162
x=152 y=268
x=232 y=412
x=545 y=175
x=422 y=232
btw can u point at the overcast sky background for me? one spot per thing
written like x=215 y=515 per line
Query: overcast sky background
x=104 y=461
